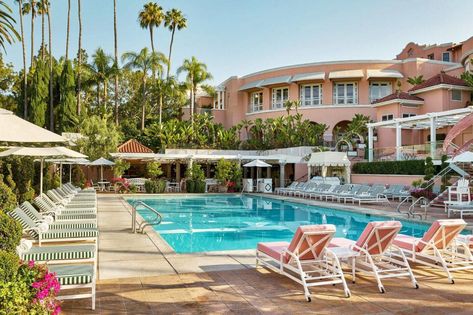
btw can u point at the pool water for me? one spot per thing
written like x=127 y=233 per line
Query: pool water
x=231 y=222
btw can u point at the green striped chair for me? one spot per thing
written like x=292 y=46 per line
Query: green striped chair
x=40 y=231
x=63 y=193
x=55 y=207
x=88 y=190
x=55 y=254
x=57 y=199
x=75 y=277
x=37 y=217
x=50 y=207
x=66 y=217
x=74 y=191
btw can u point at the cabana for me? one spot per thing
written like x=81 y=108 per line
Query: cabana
x=331 y=163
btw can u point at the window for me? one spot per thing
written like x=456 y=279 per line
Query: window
x=280 y=95
x=311 y=94
x=345 y=93
x=406 y=115
x=387 y=117
x=256 y=101
x=379 y=90
x=456 y=95
x=446 y=56
x=431 y=56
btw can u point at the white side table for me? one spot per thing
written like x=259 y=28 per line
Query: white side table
x=347 y=255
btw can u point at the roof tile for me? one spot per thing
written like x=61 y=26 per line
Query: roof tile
x=133 y=146
x=441 y=78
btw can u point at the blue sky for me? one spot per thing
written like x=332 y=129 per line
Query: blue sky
x=237 y=37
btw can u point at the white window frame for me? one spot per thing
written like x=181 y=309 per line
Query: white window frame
x=256 y=107
x=380 y=83
x=275 y=104
x=454 y=99
x=387 y=117
x=343 y=99
x=311 y=100
x=449 y=56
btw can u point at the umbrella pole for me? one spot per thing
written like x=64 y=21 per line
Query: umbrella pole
x=101 y=173
x=70 y=173
x=60 y=174
x=41 y=178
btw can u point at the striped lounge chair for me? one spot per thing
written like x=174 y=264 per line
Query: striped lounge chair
x=41 y=233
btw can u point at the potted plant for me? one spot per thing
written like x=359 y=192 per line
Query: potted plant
x=417 y=193
x=195 y=179
x=223 y=173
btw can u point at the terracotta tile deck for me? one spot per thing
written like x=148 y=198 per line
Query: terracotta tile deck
x=137 y=275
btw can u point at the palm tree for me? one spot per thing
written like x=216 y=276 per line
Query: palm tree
x=79 y=64
x=196 y=74
x=416 y=80
x=144 y=62
x=101 y=70
x=115 y=38
x=42 y=9
x=51 y=96
x=173 y=20
x=25 y=80
x=247 y=124
x=30 y=7
x=68 y=27
x=150 y=17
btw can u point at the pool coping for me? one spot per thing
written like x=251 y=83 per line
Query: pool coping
x=167 y=249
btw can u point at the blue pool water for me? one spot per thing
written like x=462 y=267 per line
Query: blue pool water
x=229 y=222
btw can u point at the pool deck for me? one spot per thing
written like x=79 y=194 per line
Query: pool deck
x=139 y=274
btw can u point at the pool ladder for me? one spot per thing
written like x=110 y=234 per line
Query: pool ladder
x=422 y=202
x=156 y=221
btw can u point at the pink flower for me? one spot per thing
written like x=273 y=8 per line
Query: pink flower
x=31 y=264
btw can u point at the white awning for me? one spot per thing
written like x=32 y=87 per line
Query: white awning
x=329 y=159
x=43 y=152
x=308 y=76
x=383 y=73
x=346 y=74
x=276 y=80
x=251 y=85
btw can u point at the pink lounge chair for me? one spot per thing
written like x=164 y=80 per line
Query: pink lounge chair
x=372 y=253
x=438 y=247
x=306 y=260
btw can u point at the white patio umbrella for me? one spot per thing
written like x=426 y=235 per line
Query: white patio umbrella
x=257 y=163
x=41 y=153
x=101 y=162
x=465 y=157
x=15 y=130
x=70 y=162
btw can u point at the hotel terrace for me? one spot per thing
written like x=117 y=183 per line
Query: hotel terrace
x=332 y=92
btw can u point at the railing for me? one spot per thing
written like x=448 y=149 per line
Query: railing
x=409 y=152
x=423 y=204
x=156 y=221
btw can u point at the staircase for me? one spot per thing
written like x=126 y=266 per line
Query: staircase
x=465 y=170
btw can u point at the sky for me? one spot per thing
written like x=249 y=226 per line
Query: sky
x=239 y=37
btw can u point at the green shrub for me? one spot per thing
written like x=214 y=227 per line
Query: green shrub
x=154 y=170
x=15 y=297
x=7 y=197
x=120 y=167
x=10 y=233
x=408 y=167
x=190 y=186
x=22 y=171
x=155 y=186
x=9 y=264
x=195 y=172
x=78 y=177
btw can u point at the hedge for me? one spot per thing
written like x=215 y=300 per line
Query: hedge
x=408 y=167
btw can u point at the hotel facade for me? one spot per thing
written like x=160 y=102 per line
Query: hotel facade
x=333 y=92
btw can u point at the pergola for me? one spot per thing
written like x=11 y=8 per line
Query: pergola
x=432 y=121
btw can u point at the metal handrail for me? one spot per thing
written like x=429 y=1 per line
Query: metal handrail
x=425 y=205
x=134 y=205
x=398 y=209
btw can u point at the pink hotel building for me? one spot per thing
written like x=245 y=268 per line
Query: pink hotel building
x=333 y=92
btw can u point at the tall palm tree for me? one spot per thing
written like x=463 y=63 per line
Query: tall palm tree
x=144 y=61
x=115 y=38
x=68 y=28
x=102 y=69
x=50 y=37
x=173 y=20
x=150 y=17
x=23 y=48
x=415 y=80
x=30 y=7
x=42 y=9
x=79 y=57
x=196 y=73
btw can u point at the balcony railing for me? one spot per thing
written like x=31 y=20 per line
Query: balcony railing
x=409 y=152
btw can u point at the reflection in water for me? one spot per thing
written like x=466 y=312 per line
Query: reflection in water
x=220 y=222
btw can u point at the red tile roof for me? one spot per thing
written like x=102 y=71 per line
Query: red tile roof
x=399 y=95
x=133 y=146
x=440 y=78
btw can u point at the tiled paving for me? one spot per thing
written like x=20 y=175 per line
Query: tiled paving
x=139 y=275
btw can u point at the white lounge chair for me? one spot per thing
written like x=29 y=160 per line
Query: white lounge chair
x=306 y=260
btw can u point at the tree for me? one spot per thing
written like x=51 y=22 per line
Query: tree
x=143 y=62
x=196 y=73
x=79 y=58
x=150 y=17
x=51 y=96
x=8 y=78
x=115 y=44
x=467 y=76
x=68 y=28
x=30 y=7
x=8 y=33
x=100 y=137
x=101 y=70
x=416 y=80
x=23 y=49
x=39 y=94
x=67 y=101
x=42 y=9
x=173 y=20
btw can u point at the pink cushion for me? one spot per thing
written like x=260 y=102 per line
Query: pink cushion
x=450 y=226
x=341 y=242
x=406 y=242
x=273 y=249
x=367 y=239
x=321 y=231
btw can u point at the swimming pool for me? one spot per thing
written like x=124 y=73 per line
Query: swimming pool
x=231 y=222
